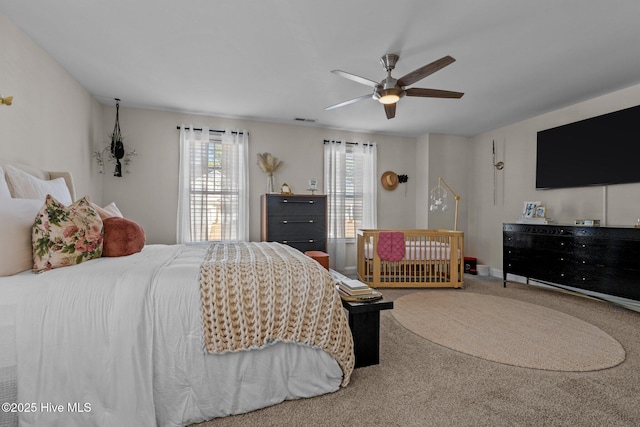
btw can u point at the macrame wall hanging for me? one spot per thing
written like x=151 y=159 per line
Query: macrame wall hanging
x=117 y=146
x=115 y=151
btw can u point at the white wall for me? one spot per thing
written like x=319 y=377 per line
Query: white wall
x=149 y=193
x=422 y=182
x=448 y=160
x=53 y=121
x=516 y=146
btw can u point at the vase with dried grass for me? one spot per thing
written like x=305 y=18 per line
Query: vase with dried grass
x=269 y=165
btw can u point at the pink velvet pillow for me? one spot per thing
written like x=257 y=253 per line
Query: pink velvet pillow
x=122 y=237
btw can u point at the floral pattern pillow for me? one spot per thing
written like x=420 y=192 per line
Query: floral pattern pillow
x=65 y=235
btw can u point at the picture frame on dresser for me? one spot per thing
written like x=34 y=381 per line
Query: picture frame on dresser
x=285 y=189
x=540 y=212
x=529 y=209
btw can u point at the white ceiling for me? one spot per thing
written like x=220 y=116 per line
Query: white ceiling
x=271 y=60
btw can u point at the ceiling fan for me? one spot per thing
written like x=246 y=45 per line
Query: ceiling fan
x=390 y=90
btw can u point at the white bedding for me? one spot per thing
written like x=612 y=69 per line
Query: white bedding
x=131 y=349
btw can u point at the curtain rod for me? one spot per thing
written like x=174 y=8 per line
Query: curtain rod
x=347 y=142
x=214 y=130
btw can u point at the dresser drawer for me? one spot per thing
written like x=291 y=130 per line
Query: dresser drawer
x=622 y=282
x=296 y=205
x=517 y=265
x=287 y=226
x=619 y=253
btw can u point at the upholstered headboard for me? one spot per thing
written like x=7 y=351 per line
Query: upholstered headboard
x=17 y=214
x=38 y=173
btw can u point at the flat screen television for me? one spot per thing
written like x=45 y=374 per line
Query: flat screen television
x=602 y=150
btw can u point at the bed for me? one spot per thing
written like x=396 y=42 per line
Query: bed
x=166 y=335
x=410 y=258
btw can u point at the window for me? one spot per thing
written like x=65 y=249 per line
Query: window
x=213 y=189
x=350 y=184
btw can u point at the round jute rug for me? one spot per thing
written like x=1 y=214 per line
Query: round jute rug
x=507 y=331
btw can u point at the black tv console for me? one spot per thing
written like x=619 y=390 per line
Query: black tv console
x=598 y=259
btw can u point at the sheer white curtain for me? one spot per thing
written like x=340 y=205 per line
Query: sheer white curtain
x=213 y=186
x=366 y=183
x=235 y=185
x=335 y=159
x=350 y=183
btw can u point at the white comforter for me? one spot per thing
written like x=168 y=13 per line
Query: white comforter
x=118 y=342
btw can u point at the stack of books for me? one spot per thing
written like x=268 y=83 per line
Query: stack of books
x=356 y=291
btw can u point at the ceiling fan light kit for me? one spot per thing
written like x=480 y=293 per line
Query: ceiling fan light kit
x=389 y=91
x=388 y=96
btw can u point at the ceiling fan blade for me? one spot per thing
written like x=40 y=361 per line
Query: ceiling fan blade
x=433 y=93
x=351 y=101
x=390 y=109
x=424 y=71
x=357 y=79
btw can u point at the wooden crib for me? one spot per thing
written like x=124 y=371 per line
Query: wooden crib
x=433 y=259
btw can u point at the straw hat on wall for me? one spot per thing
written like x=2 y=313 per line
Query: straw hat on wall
x=389 y=180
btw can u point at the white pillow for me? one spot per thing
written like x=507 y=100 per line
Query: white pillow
x=4 y=187
x=109 y=211
x=26 y=186
x=16 y=220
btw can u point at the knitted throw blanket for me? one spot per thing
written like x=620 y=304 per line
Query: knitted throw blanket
x=254 y=293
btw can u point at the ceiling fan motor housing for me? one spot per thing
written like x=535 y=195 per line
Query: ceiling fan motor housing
x=389 y=61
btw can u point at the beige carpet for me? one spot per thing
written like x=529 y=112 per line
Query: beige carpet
x=419 y=383
x=508 y=331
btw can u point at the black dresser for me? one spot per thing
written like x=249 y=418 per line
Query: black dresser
x=598 y=259
x=296 y=220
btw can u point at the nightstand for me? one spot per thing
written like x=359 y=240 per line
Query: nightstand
x=364 y=321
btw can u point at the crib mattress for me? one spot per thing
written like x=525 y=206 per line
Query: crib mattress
x=419 y=251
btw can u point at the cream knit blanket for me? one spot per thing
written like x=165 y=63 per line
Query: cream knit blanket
x=254 y=293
